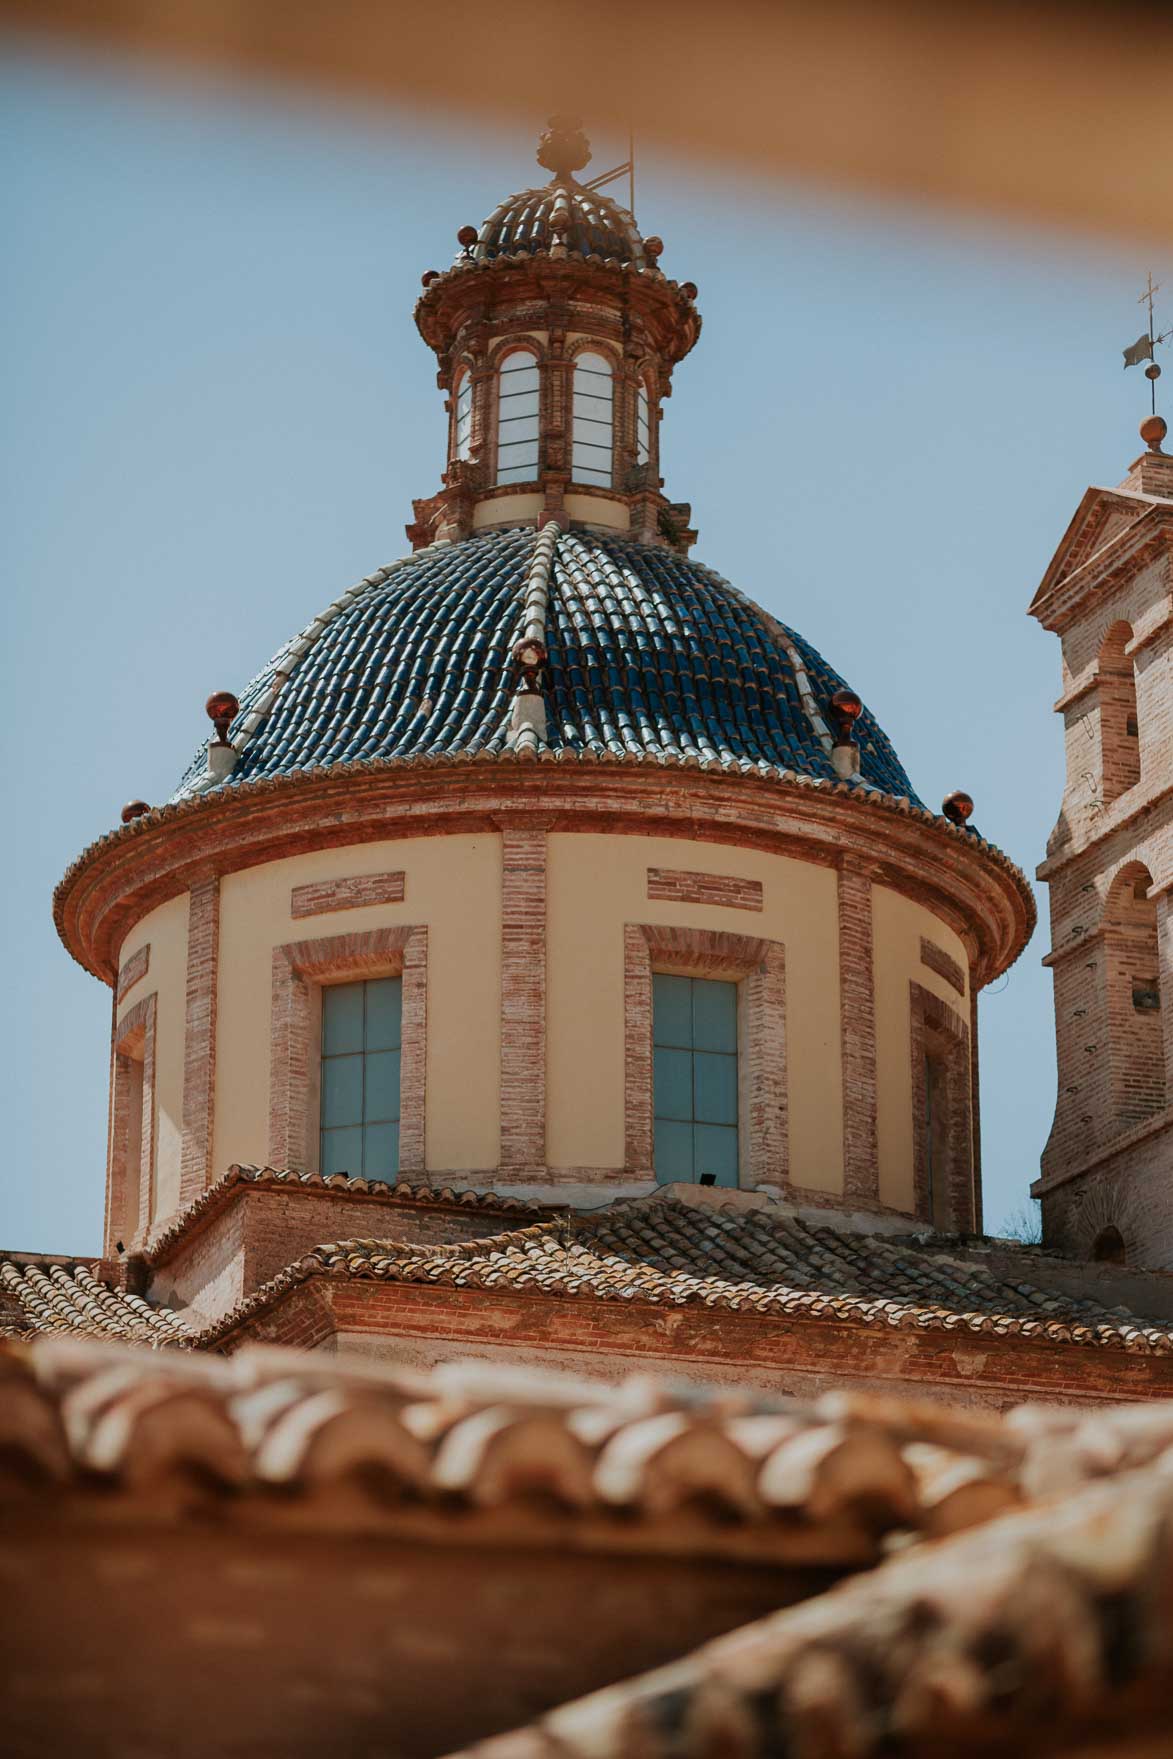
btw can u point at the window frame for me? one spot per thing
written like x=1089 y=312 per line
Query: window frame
x=301 y=969
x=514 y=351
x=593 y=352
x=758 y=967
x=130 y=1180
x=662 y=1043
x=462 y=394
x=362 y=1055
x=944 y=1195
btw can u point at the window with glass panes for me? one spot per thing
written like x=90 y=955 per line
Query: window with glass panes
x=694 y=1039
x=361 y=1040
x=594 y=390
x=518 y=388
x=643 y=427
x=464 y=417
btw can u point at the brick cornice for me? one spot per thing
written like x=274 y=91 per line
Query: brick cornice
x=1122 y=813
x=967 y=882
x=1161 y=1121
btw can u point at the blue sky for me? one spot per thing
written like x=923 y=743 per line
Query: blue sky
x=218 y=411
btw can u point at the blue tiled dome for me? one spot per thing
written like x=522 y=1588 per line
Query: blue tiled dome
x=652 y=657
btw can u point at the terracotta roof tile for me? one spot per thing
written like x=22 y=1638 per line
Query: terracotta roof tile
x=481 y=1437
x=1017 y=1637
x=271 y=1178
x=765 y=1261
x=70 y=1298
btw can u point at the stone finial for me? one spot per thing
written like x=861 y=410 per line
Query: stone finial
x=466 y=238
x=134 y=809
x=846 y=708
x=529 y=656
x=958 y=807
x=563 y=148
x=1153 y=430
x=222 y=709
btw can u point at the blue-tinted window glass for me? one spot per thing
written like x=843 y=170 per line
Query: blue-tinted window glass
x=694 y=1036
x=342 y=1019
x=361 y=1039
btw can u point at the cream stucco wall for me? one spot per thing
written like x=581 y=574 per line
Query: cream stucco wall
x=898 y=924
x=597 y=884
x=165 y=931
x=453 y=885
x=506 y=510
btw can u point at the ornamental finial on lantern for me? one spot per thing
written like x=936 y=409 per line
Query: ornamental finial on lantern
x=563 y=148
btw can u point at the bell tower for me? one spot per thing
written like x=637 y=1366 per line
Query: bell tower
x=1107 y=1170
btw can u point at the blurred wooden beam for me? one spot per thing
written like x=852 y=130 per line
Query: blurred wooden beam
x=1052 y=112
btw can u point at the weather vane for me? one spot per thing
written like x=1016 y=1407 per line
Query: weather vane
x=1143 y=347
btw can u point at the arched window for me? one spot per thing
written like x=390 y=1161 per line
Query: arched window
x=1119 y=727
x=1132 y=971
x=462 y=424
x=643 y=426
x=593 y=426
x=517 y=418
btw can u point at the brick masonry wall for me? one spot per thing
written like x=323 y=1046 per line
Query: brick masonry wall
x=523 y=1001
x=199 y=1045
x=133 y=971
x=780 y=1355
x=677 y=886
x=1115 y=1062
x=317 y=1634
x=131 y=1169
x=857 y=1005
x=1128 y=1190
x=346 y=894
x=938 y=960
x=262 y=1230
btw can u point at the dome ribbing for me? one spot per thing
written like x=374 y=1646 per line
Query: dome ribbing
x=650 y=657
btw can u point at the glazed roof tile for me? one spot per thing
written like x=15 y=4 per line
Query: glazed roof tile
x=583 y=221
x=761 y=1261
x=652 y=658
x=55 y=1297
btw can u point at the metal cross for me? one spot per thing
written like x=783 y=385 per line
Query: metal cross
x=1146 y=298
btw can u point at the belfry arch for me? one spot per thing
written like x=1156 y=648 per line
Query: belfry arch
x=1120 y=750
x=1136 y=1025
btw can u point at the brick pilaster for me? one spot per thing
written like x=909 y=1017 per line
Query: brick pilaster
x=975 y=1113
x=199 y=1044
x=1164 y=903
x=857 y=1013
x=523 y=999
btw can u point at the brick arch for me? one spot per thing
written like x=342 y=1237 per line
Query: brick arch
x=1133 y=995
x=1120 y=747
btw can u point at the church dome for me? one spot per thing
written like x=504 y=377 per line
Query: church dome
x=649 y=657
